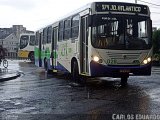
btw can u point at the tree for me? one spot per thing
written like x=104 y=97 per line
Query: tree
x=156 y=45
x=156 y=41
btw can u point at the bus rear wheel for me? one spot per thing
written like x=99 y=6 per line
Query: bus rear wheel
x=31 y=57
x=75 y=72
x=45 y=65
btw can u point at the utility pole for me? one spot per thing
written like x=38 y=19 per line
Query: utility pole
x=136 y=1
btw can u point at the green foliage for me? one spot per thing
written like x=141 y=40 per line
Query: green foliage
x=156 y=57
x=156 y=41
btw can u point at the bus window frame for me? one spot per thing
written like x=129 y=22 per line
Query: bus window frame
x=32 y=41
x=44 y=41
x=24 y=45
x=76 y=26
x=67 y=29
x=49 y=34
x=60 y=31
x=37 y=38
x=138 y=17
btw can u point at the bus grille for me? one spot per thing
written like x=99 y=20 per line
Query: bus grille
x=124 y=58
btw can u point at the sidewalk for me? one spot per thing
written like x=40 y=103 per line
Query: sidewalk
x=8 y=74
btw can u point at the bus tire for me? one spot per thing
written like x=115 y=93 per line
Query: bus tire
x=75 y=72
x=45 y=65
x=31 y=56
x=124 y=81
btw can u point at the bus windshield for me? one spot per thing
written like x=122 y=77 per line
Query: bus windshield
x=24 y=41
x=32 y=40
x=121 y=32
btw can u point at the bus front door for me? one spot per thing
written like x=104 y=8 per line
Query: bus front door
x=54 y=47
x=40 y=50
x=84 y=45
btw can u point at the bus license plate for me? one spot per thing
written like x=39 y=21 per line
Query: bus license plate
x=125 y=71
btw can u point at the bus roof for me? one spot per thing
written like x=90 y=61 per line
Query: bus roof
x=27 y=34
x=107 y=7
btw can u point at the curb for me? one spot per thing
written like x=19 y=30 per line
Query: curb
x=9 y=76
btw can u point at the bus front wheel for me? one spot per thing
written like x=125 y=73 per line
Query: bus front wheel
x=124 y=81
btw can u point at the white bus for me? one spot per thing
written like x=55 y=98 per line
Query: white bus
x=88 y=42
x=26 y=46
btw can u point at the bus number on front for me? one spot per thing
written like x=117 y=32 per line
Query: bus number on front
x=111 y=61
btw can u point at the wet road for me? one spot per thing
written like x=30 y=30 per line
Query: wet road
x=38 y=96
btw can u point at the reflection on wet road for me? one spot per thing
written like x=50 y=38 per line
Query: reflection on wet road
x=36 y=95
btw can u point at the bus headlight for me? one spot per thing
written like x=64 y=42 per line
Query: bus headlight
x=147 y=60
x=96 y=59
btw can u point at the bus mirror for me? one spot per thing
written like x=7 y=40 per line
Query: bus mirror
x=89 y=21
x=151 y=24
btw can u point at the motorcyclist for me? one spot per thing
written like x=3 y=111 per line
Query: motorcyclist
x=2 y=53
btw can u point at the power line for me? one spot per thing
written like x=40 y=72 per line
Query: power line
x=156 y=24
x=156 y=12
x=156 y=7
x=149 y=3
x=152 y=5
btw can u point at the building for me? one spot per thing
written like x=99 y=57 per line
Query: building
x=9 y=39
x=10 y=43
x=4 y=32
x=16 y=29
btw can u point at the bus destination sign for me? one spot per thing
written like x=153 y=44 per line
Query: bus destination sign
x=121 y=7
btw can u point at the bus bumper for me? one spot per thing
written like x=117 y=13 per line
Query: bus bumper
x=23 y=53
x=99 y=70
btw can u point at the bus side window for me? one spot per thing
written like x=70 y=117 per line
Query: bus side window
x=49 y=34
x=44 y=36
x=60 y=31
x=32 y=40
x=75 y=27
x=67 y=29
x=37 y=38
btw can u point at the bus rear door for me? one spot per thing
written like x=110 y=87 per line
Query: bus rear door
x=84 y=45
x=54 y=47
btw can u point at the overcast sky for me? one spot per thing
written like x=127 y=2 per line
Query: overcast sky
x=34 y=14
